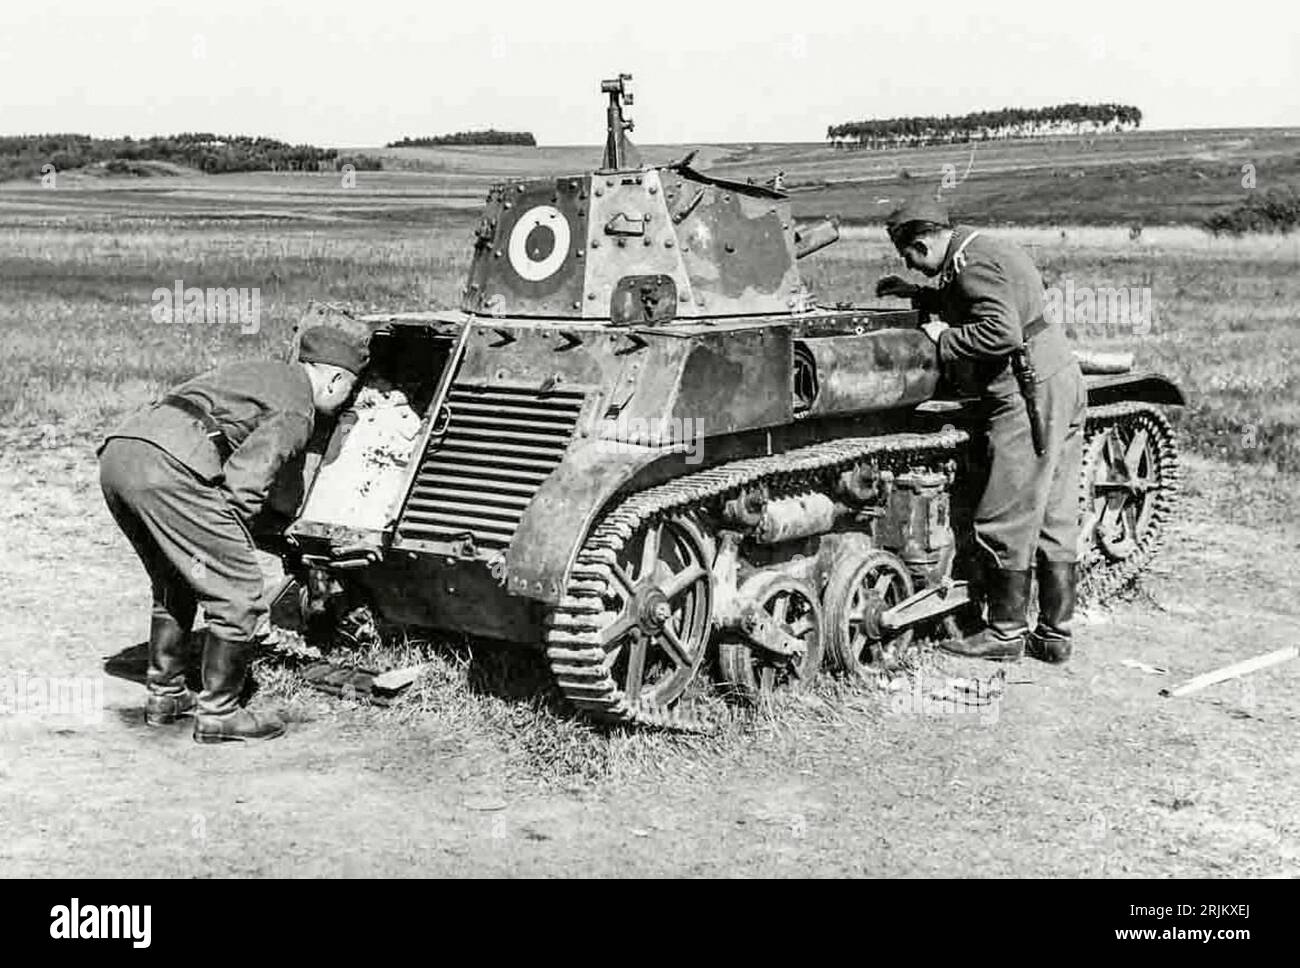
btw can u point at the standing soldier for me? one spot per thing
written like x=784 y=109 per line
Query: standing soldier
x=184 y=479
x=993 y=341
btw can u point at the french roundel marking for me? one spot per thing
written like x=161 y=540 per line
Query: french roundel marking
x=540 y=216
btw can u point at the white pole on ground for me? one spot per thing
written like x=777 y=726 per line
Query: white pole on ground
x=1233 y=671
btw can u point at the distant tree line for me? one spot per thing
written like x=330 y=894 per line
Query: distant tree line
x=488 y=137
x=24 y=156
x=985 y=126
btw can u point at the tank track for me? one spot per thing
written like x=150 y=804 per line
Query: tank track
x=1100 y=579
x=573 y=647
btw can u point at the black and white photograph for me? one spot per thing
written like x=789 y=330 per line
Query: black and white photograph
x=673 y=441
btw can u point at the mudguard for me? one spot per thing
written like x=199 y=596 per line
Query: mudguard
x=555 y=524
x=1142 y=387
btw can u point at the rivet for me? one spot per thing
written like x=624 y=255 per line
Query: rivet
x=600 y=191
x=668 y=243
x=609 y=182
x=507 y=205
x=654 y=190
x=591 y=296
x=578 y=254
x=729 y=247
x=497 y=253
x=622 y=243
x=647 y=240
x=595 y=243
x=577 y=305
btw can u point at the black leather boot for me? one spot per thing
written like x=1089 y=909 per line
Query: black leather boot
x=1003 y=636
x=220 y=718
x=1051 y=641
x=169 y=699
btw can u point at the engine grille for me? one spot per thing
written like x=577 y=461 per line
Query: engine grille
x=480 y=475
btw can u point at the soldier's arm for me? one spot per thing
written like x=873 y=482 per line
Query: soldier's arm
x=251 y=470
x=926 y=299
x=991 y=326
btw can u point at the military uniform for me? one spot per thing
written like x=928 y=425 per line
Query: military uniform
x=1028 y=511
x=186 y=510
x=184 y=479
x=990 y=293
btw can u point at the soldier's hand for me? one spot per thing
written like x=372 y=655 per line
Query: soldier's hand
x=933 y=329
x=896 y=286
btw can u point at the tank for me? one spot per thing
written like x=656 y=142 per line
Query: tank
x=643 y=447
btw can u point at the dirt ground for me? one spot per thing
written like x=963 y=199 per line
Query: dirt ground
x=1084 y=771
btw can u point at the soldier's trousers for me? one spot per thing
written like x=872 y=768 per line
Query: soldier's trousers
x=1032 y=503
x=193 y=546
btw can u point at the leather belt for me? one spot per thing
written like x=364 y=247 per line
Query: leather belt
x=211 y=428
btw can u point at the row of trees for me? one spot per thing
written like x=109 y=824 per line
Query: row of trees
x=1060 y=119
x=25 y=156
x=489 y=137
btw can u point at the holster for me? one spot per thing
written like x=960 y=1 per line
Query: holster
x=1027 y=380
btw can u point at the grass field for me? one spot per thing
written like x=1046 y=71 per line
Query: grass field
x=79 y=264
x=479 y=771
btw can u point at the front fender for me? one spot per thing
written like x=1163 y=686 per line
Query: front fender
x=557 y=520
x=1142 y=387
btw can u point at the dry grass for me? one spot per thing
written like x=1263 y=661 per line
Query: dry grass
x=506 y=696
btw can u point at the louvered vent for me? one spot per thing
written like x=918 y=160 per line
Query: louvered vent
x=480 y=475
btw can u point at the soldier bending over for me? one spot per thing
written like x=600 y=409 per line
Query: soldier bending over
x=183 y=479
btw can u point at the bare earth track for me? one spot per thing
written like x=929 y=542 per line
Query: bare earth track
x=1084 y=771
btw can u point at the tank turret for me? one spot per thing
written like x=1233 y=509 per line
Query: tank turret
x=634 y=243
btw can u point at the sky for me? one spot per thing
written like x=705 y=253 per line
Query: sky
x=357 y=74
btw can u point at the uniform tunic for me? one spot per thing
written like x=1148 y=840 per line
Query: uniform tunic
x=989 y=291
x=185 y=511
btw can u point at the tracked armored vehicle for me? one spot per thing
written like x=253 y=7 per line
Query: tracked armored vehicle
x=643 y=447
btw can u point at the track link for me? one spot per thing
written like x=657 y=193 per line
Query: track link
x=573 y=645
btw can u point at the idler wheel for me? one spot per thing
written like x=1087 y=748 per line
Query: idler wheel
x=1122 y=482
